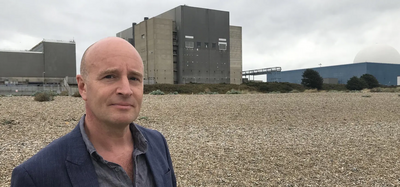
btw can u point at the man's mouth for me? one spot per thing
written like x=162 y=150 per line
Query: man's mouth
x=122 y=105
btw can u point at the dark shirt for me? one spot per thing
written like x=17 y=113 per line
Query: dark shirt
x=112 y=174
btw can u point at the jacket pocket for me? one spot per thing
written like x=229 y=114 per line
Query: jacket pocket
x=167 y=178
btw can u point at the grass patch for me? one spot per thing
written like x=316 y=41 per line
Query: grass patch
x=43 y=96
x=233 y=91
x=157 y=92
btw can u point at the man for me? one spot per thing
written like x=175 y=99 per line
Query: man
x=105 y=148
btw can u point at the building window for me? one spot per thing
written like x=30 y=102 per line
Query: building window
x=213 y=45
x=222 y=46
x=143 y=36
x=189 y=44
x=206 y=45
x=198 y=45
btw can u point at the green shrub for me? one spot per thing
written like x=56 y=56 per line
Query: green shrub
x=370 y=80
x=48 y=92
x=76 y=94
x=354 y=83
x=53 y=93
x=312 y=79
x=157 y=92
x=210 y=93
x=7 y=121
x=43 y=96
x=196 y=88
x=173 y=93
x=294 y=91
x=64 y=93
x=207 y=91
x=275 y=92
x=311 y=91
x=249 y=87
x=266 y=87
x=233 y=91
x=144 y=118
x=338 y=87
x=386 y=89
x=389 y=90
x=34 y=94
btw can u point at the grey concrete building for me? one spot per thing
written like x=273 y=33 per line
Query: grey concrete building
x=188 y=44
x=236 y=54
x=49 y=62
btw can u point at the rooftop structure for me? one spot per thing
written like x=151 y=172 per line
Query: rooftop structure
x=378 y=53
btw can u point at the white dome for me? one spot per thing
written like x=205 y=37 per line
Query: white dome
x=378 y=53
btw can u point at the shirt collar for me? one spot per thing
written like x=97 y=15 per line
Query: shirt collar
x=139 y=141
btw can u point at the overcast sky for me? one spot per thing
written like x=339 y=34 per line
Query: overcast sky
x=291 y=34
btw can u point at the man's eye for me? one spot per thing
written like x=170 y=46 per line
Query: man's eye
x=134 y=78
x=108 y=76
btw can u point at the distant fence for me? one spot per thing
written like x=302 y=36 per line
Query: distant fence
x=32 y=89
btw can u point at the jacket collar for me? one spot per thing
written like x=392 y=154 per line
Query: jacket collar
x=78 y=162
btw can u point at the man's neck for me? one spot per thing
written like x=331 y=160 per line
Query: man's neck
x=107 y=139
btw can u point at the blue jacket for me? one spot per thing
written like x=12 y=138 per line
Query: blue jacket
x=66 y=162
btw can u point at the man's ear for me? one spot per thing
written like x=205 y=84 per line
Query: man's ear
x=81 y=86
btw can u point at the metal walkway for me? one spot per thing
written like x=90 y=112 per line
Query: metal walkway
x=274 y=72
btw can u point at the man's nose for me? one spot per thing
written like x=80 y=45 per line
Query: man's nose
x=124 y=88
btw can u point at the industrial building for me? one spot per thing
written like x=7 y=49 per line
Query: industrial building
x=188 y=45
x=381 y=61
x=50 y=62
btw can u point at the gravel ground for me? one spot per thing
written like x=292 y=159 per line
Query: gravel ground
x=299 y=139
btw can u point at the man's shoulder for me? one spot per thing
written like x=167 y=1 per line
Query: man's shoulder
x=48 y=166
x=54 y=153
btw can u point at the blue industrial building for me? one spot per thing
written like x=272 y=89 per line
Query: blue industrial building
x=386 y=74
x=381 y=61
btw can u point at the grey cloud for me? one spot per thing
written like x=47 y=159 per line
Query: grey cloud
x=287 y=33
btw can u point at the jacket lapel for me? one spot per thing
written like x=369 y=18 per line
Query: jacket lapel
x=79 y=164
x=155 y=164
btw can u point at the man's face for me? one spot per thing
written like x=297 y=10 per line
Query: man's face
x=113 y=88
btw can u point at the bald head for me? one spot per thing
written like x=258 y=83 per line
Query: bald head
x=107 y=48
x=111 y=84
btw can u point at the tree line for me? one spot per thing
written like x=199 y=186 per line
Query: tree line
x=312 y=79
